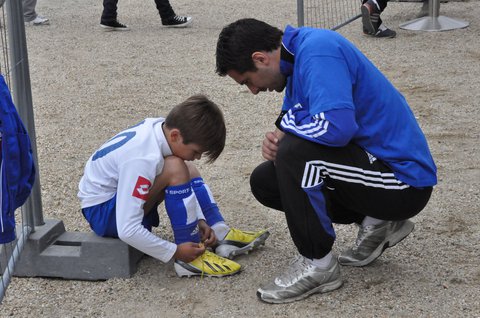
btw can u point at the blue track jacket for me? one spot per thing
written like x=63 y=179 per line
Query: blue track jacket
x=335 y=95
x=17 y=173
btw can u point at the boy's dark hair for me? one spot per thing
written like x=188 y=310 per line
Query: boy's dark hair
x=238 y=40
x=200 y=121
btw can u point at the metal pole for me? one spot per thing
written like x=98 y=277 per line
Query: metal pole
x=335 y=28
x=434 y=8
x=22 y=96
x=434 y=21
x=300 y=13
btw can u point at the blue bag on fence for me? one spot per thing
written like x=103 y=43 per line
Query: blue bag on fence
x=17 y=173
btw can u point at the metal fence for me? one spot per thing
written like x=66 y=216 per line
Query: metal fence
x=334 y=14
x=327 y=14
x=14 y=68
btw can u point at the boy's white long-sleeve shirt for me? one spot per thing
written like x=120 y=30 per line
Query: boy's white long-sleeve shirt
x=127 y=165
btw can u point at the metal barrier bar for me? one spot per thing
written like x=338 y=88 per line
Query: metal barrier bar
x=335 y=28
x=22 y=97
x=13 y=256
x=300 y=13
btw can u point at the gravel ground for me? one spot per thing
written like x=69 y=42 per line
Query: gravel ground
x=88 y=84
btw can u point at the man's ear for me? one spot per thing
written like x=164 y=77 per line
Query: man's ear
x=260 y=58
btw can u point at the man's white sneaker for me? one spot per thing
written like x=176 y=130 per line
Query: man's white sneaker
x=372 y=240
x=39 y=20
x=300 y=280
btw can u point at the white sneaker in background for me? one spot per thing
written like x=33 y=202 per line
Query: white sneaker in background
x=39 y=20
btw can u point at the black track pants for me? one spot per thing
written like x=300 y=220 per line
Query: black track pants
x=110 y=10
x=317 y=185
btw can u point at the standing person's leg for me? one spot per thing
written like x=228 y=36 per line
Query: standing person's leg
x=109 y=12
x=371 y=22
x=30 y=16
x=109 y=21
x=29 y=13
x=168 y=16
x=164 y=9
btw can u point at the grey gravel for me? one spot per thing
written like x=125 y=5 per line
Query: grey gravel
x=88 y=84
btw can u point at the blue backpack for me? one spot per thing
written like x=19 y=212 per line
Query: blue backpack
x=17 y=173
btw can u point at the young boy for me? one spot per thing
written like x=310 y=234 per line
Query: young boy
x=132 y=173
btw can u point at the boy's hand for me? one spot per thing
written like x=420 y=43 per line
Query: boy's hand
x=207 y=235
x=189 y=251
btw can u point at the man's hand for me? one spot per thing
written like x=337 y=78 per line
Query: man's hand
x=189 y=251
x=207 y=235
x=270 y=144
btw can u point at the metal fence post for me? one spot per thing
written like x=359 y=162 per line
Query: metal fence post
x=300 y=13
x=22 y=96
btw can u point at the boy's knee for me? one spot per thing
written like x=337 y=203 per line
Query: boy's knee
x=192 y=170
x=175 y=171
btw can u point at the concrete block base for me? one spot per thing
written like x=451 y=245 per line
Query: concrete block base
x=52 y=252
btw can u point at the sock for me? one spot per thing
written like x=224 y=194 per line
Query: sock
x=182 y=206
x=368 y=220
x=207 y=202
x=221 y=230
x=321 y=262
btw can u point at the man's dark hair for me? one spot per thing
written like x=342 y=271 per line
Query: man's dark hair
x=238 y=40
x=200 y=121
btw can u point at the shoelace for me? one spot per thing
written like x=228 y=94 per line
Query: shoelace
x=203 y=262
x=213 y=257
x=120 y=24
x=180 y=19
x=294 y=270
x=362 y=233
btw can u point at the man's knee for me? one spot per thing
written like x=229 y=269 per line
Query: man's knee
x=293 y=148
x=261 y=174
x=264 y=186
